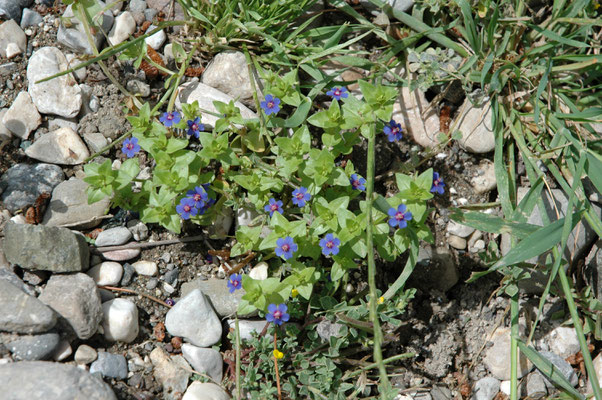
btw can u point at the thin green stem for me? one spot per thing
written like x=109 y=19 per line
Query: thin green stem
x=514 y=347
x=237 y=333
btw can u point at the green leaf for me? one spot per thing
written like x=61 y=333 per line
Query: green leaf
x=491 y=223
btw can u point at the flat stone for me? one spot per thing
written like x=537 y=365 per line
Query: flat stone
x=120 y=320
x=124 y=26
x=62 y=146
x=36 y=380
x=6 y=274
x=110 y=365
x=11 y=33
x=147 y=268
x=477 y=130
x=327 y=329
x=458 y=229
x=562 y=366
x=37 y=347
x=486 y=389
x=69 y=207
x=121 y=255
x=75 y=298
x=205 y=391
x=563 y=341
x=246 y=327
x=206 y=95
x=409 y=109
x=193 y=318
x=228 y=73
x=216 y=290
x=456 y=242
x=22 y=117
x=61 y=96
x=58 y=122
x=21 y=313
x=85 y=354
x=171 y=372
x=22 y=184
x=39 y=247
x=74 y=36
x=497 y=357
x=113 y=237
x=30 y=18
x=95 y=141
x=106 y=273
x=485 y=181
x=535 y=386
x=8 y=69
x=207 y=361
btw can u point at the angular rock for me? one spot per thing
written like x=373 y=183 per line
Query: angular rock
x=62 y=351
x=106 y=273
x=477 y=130
x=110 y=365
x=30 y=18
x=207 y=361
x=21 y=313
x=125 y=25
x=37 y=347
x=228 y=73
x=563 y=341
x=45 y=248
x=147 y=268
x=193 y=318
x=259 y=272
x=486 y=389
x=62 y=146
x=5 y=134
x=58 y=122
x=562 y=366
x=36 y=380
x=535 y=386
x=216 y=290
x=205 y=391
x=460 y=230
x=171 y=372
x=246 y=327
x=22 y=184
x=157 y=39
x=113 y=237
x=95 y=141
x=11 y=33
x=327 y=329
x=61 y=96
x=22 y=117
x=408 y=110
x=497 y=357
x=75 y=298
x=120 y=320
x=206 y=95
x=69 y=206
x=74 y=36
x=85 y=354
x=485 y=181
x=10 y=9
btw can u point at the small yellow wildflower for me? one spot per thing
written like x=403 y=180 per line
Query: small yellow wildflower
x=278 y=354
x=381 y=300
x=294 y=293
x=596 y=5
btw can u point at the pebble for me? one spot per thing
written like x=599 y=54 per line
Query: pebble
x=476 y=128
x=12 y=34
x=246 y=217
x=5 y=134
x=120 y=320
x=562 y=366
x=535 y=386
x=10 y=9
x=139 y=230
x=486 y=388
x=156 y=40
x=35 y=277
x=152 y=284
x=228 y=73
x=75 y=298
x=259 y=272
x=69 y=207
x=22 y=117
x=150 y=14
x=38 y=247
x=30 y=18
x=75 y=38
x=246 y=327
x=456 y=242
x=207 y=361
x=51 y=380
x=62 y=146
x=171 y=372
x=137 y=8
x=144 y=267
x=440 y=392
x=121 y=255
x=37 y=347
x=171 y=276
x=505 y=388
x=222 y=224
x=224 y=302
x=95 y=141
x=59 y=96
x=85 y=354
x=193 y=318
x=80 y=73
x=460 y=230
x=62 y=350
x=408 y=110
x=21 y=184
x=205 y=391
x=128 y=274
x=486 y=181
x=327 y=329
x=22 y=313
x=478 y=246
x=125 y=25
x=113 y=237
x=110 y=365
x=206 y=95
x=106 y=273
x=138 y=87
x=497 y=357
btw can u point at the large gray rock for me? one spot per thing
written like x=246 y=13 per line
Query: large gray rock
x=193 y=318
x=40 y=380
x=69 y=206
x=12 y=38
x=61 y=96
x=22 y=117
x=224 y=303
x=207 y=361
x=39 y=247
x=21 y=185
x=409 y=110
x=74 y=36
x=476 y=127
x=228 y=73
x=37 y=347
x=75 y=298
x=21 y=313
x=62 y=146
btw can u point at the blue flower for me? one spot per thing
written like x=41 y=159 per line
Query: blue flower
x=235 y=282
x=357 y=182
x=271 y=105
x=170 y=118
x=277 y=314
x=199 y=196
x=330 y=245
x=170 y=302
x=437 y=184
x=338 y=92
x=130 y=147
x=286 y=247
x=194 y=127
x=274 y=205
x=300 y=196
x=399 y=216
x=393 y=131
x=186 y=208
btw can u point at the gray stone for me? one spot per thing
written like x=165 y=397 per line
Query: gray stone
x=137 y=8
x=151 y=13
x=62 y=350
x=37 y=347
x=477 y=130
x=120 y=320
x=5 y=134
x=75 y=298
x=79 y=73
x=74 y=35
x=439 y=392
x=157 y=39
x=246 y=327
x=563 y=341
x=33 y=380
x=121 y=255
x=193 y=318
x=95 y=141
x=6 y=274
x=205 y=391
x=147 y=268
x=30 y=18
x=10 y=9
x=207 y=361
x=22 y=184
x=128 y=274
x=45 y=248
x=110 y=365
x=460 y=230
x=224 y=302
x=113 y=237
x=139 y=230
x=69 y=206
x=22 y=117
x=11 y=32
x=486 y=388
x=21 y=313
x=437 y=262
x=62 y=146
x=125 y=25
x=171 y=276
x=206 y=95
x=171 y=372
x=485 y=180
x=8 y=69
x=139 y=87
x=535 y=386
x=410 y=110
x=397 y=5
x=562 y=366
x=327 y=329
x=497 y=357
x=61 y=96
x=85 y=354
x=57 y=123
x=106 y=273
x=228 y=73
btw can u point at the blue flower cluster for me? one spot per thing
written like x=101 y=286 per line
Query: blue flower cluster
x=197 y=202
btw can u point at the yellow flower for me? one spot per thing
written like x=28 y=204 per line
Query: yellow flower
x=381 y=300
x=294 y=293
x=596 y=5
x=278 y=354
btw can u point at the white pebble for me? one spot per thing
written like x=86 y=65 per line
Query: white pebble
x=120 y=320
x=148 y=268
x=106 y=273
x=259 y=272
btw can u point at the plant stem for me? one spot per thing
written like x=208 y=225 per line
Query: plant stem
x=276 y=367
x=513 y=347
x=378 y=357
x=237 y=333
